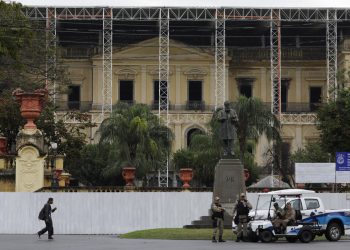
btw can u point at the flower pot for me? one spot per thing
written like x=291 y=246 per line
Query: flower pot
x=3 y=146
x=128 y=174
x=31 y=105
x=186 y=175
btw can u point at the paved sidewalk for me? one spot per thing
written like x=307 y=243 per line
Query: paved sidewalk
x=111 y=242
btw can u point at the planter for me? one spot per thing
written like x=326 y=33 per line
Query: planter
x=3 y=146
x=31 y=105
x=246 y=174
x=128 y=174
x=186 y=175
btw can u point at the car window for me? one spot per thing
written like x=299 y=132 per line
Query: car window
x=312 y=204
x=296 y=204
x=264 y=205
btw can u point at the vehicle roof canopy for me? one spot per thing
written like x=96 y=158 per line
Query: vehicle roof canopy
x=289 y=192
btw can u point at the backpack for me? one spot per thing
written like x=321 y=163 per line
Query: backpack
x=42 y=214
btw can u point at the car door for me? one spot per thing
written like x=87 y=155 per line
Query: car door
x=312 y=207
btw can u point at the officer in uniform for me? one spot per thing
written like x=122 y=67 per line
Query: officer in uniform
x=218 y=219
x=241 y=209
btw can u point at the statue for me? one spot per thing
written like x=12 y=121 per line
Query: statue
x=228 y=121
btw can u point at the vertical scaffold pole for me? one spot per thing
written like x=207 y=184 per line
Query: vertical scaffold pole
x=220 y=50
x=332 y=54
x=107 y=62
x=51 y=46
x=163 y=108
x=275 y=50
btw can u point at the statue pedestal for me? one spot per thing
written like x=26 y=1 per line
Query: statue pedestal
x=228 y=182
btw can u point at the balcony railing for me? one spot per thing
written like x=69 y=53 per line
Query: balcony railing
x=261 y=54
x=79 y=106
x=289 y=107
x=78 y=52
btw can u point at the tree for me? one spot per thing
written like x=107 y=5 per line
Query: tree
x=138 y=136
x=334 y=123
x=254 y=120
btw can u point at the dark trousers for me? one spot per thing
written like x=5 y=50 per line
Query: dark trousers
x=48 y=228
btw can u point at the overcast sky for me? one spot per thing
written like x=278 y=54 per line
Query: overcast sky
x=186 y=3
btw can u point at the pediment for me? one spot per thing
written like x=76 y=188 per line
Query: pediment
x=149 y=50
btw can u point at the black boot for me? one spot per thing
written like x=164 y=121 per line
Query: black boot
x=238 y=238
x=221 y=240
x=213 y=240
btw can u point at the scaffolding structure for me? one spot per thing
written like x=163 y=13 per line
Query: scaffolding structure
x=163 y=102
x=51 y=45
x=163 y=15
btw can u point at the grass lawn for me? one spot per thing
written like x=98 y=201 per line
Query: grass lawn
x=183 y=234
x=176 y=234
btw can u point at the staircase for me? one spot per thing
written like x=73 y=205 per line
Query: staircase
x=207 y=222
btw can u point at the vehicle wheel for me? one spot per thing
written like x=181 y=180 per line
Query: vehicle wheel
x=333 y=232
x=291 y=239
x=266 y=236
x=306 y=236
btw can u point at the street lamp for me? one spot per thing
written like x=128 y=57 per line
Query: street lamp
x=54 y=181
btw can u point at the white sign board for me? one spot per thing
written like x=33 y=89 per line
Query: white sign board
x=314 y=172
x=320 y=173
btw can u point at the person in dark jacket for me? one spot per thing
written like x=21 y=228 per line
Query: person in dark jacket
x=241 y=209
x=218 y=219
x=45 y=214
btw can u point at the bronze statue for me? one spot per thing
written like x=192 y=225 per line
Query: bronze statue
x=228 y=121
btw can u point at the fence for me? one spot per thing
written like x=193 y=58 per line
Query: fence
x=115 y=213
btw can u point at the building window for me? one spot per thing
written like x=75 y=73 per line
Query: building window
x=74 y=97
x=195 y=101
x=284 y=94
x=126 y=91
x=191 y=133
x=156 y=93
x=245 y=86
x=315 y=98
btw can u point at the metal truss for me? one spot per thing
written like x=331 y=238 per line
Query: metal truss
x=163 y=108
x=189 y=14
x=275 y=47
x=107 y=60
x=51 y=46
x=106 y=65
x=332 y=54
x=220 y=63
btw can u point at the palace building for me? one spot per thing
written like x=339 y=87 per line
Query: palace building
x=185 y=62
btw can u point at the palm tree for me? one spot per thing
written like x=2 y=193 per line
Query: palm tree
x=254 y=120
x=138 y=136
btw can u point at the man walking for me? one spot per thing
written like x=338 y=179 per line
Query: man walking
x=218 y=219
x=45 y=214
x=241 y=209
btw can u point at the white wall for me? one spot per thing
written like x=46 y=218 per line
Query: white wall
x=115 y=213
x=102 y=213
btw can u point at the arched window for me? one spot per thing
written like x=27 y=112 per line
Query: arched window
x=190 y=134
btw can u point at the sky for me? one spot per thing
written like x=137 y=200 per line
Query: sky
x=186 y=3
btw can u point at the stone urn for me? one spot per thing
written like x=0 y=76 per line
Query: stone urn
x=31 y=105
x=3 y=145
x=186 y=175
x=128 y=174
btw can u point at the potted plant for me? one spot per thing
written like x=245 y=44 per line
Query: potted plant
x=183 y=159
x=128 y=173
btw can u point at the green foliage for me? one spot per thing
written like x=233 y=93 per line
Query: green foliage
x=313 y=152
x=334 y=123
x=138 y=137
x=183 y=158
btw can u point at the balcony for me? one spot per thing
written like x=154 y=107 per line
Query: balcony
x=78 y=52
x=263 y=54
x=73 y=106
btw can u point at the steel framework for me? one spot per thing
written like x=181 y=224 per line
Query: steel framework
x=163 y=108
x=332 y=54
x=220 y=63
x=51 y=46
x=275 y=47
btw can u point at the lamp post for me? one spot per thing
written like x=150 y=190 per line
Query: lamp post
x=54 y=181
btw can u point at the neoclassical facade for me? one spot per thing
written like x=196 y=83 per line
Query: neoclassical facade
x=191 y=85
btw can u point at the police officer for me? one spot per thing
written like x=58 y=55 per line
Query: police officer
x=218 y=219
x=241 y=209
